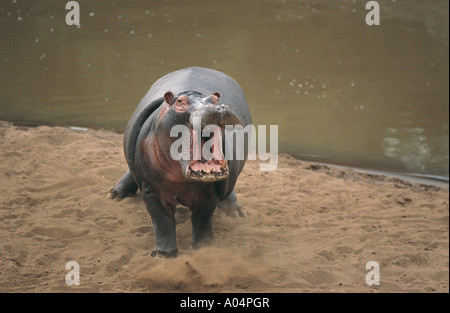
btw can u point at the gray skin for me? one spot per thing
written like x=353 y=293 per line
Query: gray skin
x=164 y=183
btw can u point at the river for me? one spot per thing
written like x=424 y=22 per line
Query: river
x=339 y=90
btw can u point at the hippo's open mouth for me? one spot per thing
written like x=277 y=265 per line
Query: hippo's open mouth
x=208 y=171
x=210 y=167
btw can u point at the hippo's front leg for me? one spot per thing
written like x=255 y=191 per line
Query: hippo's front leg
x=164 y=226
x=202 y=218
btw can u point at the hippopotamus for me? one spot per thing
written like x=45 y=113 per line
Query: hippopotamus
x=199 y=184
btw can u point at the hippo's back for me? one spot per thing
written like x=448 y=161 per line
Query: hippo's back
x=203 y=80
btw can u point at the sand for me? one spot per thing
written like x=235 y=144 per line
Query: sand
x=310 y=227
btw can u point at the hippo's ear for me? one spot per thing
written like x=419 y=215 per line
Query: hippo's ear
x=168 y=97
x=217 y=94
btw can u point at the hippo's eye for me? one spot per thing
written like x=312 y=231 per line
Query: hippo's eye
x=181 y=103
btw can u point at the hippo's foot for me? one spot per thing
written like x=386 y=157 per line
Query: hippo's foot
x=164 y=254
x=204 y=242
x=235 y=210
x=125 y=187
x=118 y=193
x=231 y=207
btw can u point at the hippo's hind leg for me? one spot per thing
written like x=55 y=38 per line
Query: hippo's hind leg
x=125 y=187
x=231 y=207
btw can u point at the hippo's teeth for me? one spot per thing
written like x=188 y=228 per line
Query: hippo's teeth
x=207 y=171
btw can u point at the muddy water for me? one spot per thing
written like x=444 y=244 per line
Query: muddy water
x=341 y=91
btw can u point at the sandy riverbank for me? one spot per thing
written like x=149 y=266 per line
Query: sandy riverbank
x=310 y=228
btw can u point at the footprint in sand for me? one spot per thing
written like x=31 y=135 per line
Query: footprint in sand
x=57 y=233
